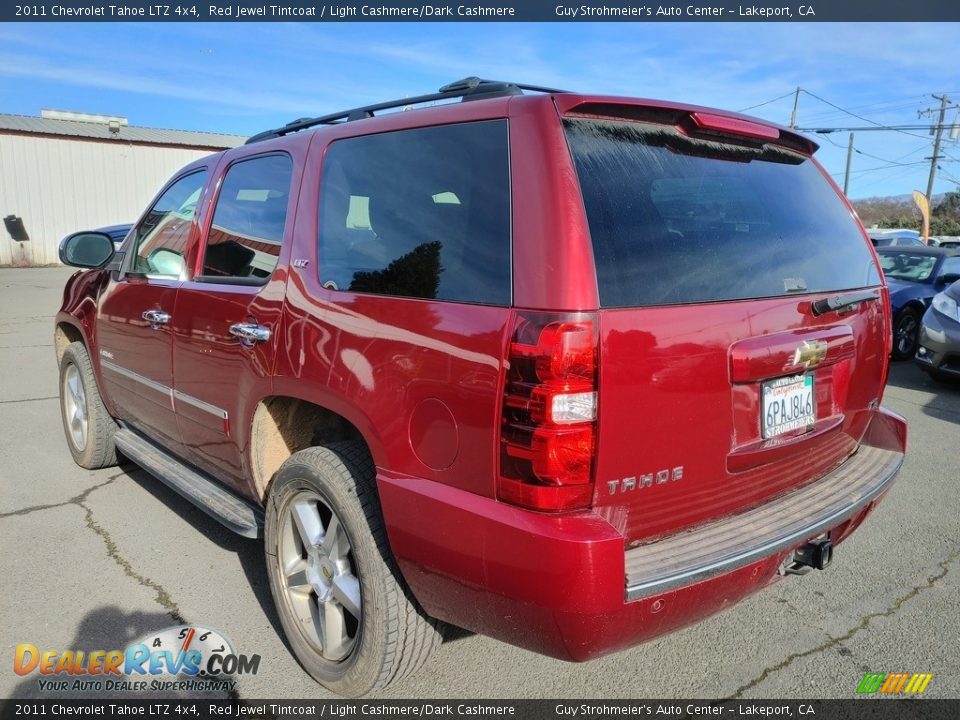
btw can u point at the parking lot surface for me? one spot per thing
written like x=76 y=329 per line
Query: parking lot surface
x=94 y=560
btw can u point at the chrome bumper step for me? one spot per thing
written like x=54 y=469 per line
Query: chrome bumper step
x=791 y=519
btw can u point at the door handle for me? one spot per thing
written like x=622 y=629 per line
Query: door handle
x=156 y=318
x=250 y=333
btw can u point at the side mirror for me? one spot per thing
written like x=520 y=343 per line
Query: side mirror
x=86 y=249
x=948 y=278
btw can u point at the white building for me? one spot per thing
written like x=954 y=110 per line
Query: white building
x=64 y=172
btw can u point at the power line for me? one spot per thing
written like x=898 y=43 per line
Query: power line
x=877 y=157
x=889 y=162
x=876 y=181
x=949 y=177
x=882 y=167
x=832 y=142
x=768 y=102
x=876 y=107
x=876 y=128
x=859 y=117
x=914 y=152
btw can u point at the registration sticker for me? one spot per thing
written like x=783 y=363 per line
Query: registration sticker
x=788 y=404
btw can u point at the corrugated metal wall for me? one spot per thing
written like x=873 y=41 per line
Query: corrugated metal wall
x=59 y=186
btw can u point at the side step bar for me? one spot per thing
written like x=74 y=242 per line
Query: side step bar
x=216 y=501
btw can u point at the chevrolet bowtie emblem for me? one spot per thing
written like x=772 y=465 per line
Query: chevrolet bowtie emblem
x=810 y=353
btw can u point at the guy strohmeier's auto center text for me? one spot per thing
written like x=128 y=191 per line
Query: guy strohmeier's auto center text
x=574 y=12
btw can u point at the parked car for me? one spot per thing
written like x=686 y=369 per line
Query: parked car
x=572 y=371
x=938 y=352
x=117 y=233
x=895 y=238
x=914 y=276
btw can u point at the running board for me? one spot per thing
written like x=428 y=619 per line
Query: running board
x=216 y=501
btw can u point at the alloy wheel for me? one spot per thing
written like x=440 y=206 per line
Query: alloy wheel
x=317 y=570
x=75 y=407
x=906 y=335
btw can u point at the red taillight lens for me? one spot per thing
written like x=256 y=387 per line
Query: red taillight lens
x=548 y=437
x=563 y=457
x=567 y=353
x=545 y=498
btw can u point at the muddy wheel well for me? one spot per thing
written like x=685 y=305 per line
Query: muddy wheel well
x=282 y=426
x=63 y=336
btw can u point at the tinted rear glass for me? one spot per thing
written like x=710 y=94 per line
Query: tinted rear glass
x=677 y=220
x=421 y=213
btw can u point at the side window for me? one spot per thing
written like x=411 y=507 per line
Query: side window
x=248 y=221
x=159 y=240
x=951 y=266
x=421 y=213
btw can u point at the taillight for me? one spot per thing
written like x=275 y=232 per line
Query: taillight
x=549 y=424
x=726 y=125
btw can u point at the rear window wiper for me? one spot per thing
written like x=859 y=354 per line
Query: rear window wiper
x=839 y=302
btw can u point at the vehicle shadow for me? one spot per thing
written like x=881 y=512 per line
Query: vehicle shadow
x=106 y=628
x=945 y=401
x=249 y=552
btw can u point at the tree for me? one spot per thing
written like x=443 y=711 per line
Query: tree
x=949 y=207
x=897 y=213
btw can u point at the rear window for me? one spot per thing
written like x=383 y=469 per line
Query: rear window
x=679 y=220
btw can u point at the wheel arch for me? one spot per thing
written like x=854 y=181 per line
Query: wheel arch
x=912 y=304
x=65 y=333
x=284 y=424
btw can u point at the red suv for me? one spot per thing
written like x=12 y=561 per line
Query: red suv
x=567 y=370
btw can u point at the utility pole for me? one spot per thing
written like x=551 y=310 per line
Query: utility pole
x=944 y=101
x=796 y=101
x=846 y=175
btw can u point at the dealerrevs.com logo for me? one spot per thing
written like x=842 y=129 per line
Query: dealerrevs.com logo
x=180 y=658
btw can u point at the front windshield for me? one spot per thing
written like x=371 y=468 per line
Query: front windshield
x=909 y=266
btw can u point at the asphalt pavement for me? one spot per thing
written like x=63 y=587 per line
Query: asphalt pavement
x=94 y=560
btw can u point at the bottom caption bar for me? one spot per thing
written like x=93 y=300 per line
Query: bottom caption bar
x=876 y=709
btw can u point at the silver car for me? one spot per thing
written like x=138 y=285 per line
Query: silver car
x=938 y=351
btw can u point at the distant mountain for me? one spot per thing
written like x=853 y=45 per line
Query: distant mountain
x=906 y=197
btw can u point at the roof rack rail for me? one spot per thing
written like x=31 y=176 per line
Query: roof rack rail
x=471 y=88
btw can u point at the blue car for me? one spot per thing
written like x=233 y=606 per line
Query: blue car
x=117 y=233
x=914 y=275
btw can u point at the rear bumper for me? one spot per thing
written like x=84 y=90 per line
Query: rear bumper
x=777 y=526
x=564 y=586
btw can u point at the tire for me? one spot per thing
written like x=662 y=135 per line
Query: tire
x=86 y=422
x=315 y=576
x=906 y=330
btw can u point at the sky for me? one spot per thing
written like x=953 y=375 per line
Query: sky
x=242 y=78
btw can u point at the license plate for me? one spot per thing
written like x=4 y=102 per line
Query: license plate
x=788 y=404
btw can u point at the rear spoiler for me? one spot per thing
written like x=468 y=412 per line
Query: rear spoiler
x=689 y=119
